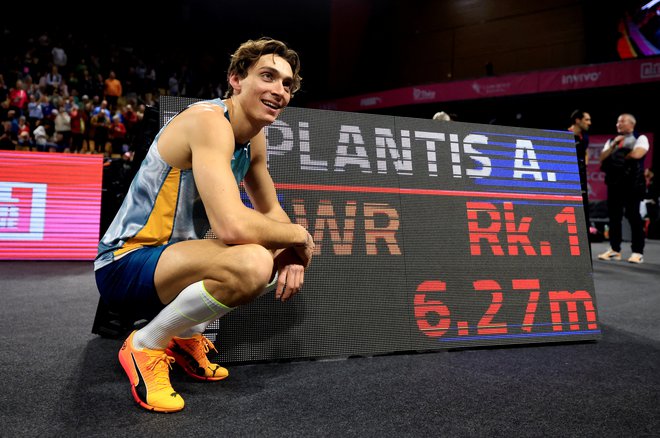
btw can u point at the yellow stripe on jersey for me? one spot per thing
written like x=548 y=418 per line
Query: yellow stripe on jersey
x=159 y=226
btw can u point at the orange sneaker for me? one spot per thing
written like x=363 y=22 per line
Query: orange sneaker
x=190 y=354
x=149 y=374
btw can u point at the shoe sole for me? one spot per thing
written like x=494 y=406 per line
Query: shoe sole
x=128 y=369
x=183 y=364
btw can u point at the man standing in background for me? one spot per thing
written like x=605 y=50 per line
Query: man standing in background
x=622 y=160
x=580 y=123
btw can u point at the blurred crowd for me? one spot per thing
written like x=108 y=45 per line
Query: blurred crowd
x=66 y=94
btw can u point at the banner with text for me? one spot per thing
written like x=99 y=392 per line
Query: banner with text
x=572 y=78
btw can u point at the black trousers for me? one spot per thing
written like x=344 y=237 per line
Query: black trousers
x=624 y=201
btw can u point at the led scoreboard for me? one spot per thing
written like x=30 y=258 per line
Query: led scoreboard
x=429 y=235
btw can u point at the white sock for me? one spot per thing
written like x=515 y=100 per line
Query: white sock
x=194 y=306
x=196 y=329
x=201 y=328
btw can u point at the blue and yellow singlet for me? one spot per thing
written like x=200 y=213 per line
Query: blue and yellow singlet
x=158 y=208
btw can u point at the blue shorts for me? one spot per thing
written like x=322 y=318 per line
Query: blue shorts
x=127 y=285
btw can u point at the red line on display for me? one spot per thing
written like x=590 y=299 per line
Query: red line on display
x=428 y=192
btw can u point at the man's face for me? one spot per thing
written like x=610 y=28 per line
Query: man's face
x=624 y=125
x=266 y=90
x=584 y=123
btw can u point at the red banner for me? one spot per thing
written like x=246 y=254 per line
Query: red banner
x=50 y=205
x=590 y=76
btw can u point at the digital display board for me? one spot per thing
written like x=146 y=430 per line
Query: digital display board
x=50 y=205
x=429 y=235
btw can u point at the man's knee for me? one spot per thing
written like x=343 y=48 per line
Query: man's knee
x=256 y=266
x=252 y=270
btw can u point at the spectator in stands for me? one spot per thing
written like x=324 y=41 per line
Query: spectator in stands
x=149 y=100
x=622 y=160
x=6 y=141
x=100 y=122
x=140 y=76
x=88 y=135
x=23 y=126
x=12 y=117
x=47 y=106
x=68 y=103
x=34 y=110
x=53 y=80
x=4 y=110
x=192 y=281
x=63 y=90
x=18 y=98
x=112 y=90
x=41 y=137
x=86 y=84
x=130 y=117
x=30 y=86
x=73 y=81
x=42 y=84
x=150 y=79
x=59 y=55
x=81 y=67
x=102 y=108
x=99 y=86
x=77 y=129
x=173 y=85
x=117 y=135
x=62 y=129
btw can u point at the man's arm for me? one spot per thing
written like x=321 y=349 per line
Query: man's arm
x=261 y=190
x=259 y=184
x=211 y=142
x=290 y=263
x=640 y=149
x=608 y=149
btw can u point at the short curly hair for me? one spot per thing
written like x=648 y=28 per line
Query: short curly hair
x=249 y=53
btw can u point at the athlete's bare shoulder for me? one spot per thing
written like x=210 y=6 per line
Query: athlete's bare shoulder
x=199 y=124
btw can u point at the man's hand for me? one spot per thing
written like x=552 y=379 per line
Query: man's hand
x=306 y=251
x=618 y=141
x=291 y=274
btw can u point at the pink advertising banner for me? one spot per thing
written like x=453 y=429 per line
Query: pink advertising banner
x=589 y=76
x=50 y=205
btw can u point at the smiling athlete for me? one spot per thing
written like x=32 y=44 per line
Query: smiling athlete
x=151 y=262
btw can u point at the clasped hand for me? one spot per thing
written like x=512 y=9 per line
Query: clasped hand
x=291 y=264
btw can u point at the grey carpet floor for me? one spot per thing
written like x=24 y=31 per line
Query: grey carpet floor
x=59 y=379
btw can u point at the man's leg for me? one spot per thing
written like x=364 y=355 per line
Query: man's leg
x=189 y=348
x=615 y=213
x=201 y=327
x=201 y=280
x=233 y=275
x=192 y=307
x=636 y=223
